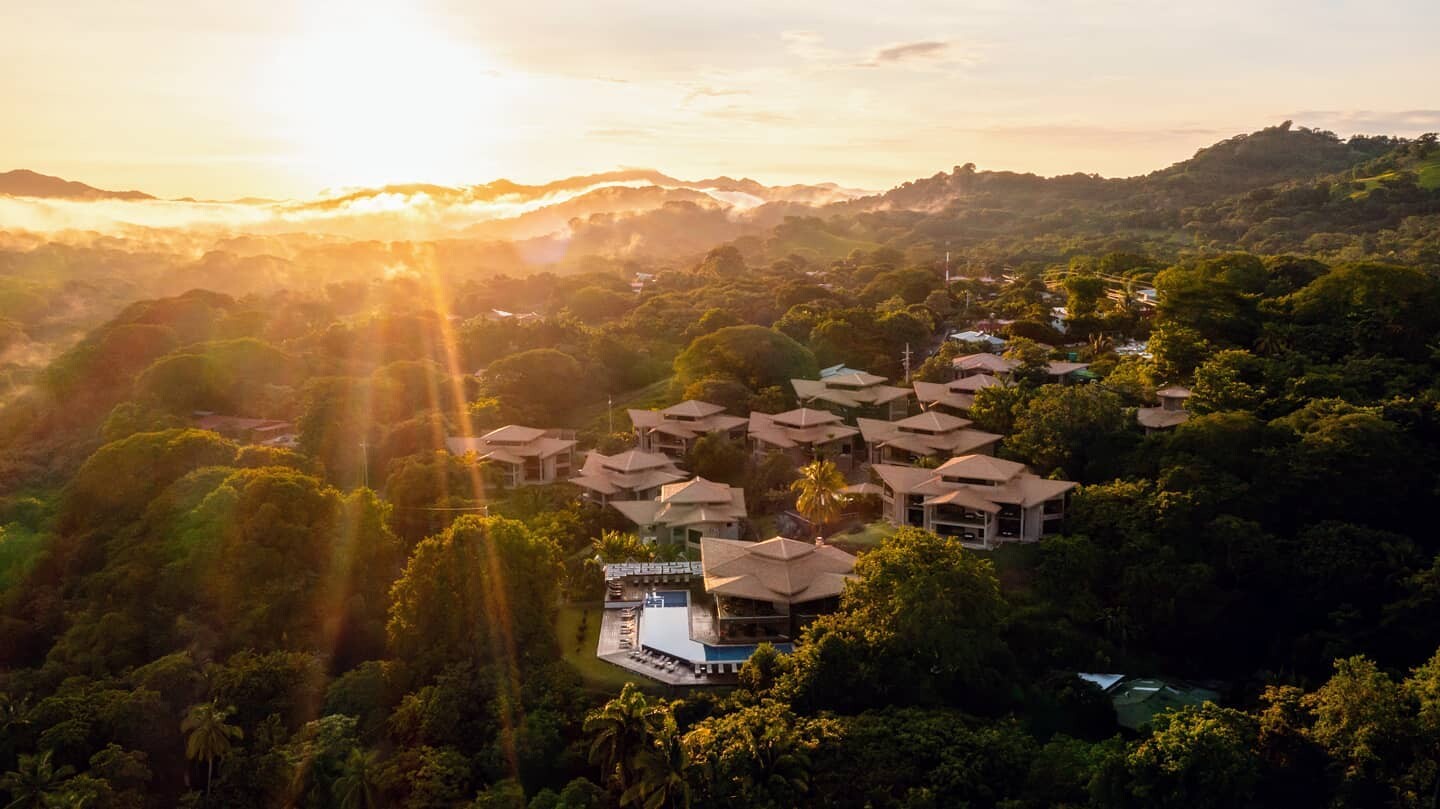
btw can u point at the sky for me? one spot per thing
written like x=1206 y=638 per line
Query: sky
x=283 y=98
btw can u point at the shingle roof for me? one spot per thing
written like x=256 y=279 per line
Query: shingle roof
x=693 y=408
x=631 y=471
x=1021 y=487
x=1174 y=392
x=632 y=460
x=981 y=467
x=952 y=441
x=933 y=422
x=804 y=417
x=512 y=432
x=510 y=444
x=1158 y=418
x=931 y=393
x=984 y=362
x=685 y=420
x=698 y=490
x=776 y=570
x=849 y=390
x=824 y=428
x=1060 y=368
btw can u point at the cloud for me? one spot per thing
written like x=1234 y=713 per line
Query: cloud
x=808 y=45
x=706 y=91
x=620 y=133
x=735 y=112
x=1372 y=122
x=924 y=50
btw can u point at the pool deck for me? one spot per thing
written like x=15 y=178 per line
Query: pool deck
x=611 y=651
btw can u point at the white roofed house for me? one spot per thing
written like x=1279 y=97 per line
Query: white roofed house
x=674 y=430
x=982 y=500
x=1170 y=413
x=955 y=396
x=630 y=475
x=805 y=435
x=684 y=512
x=527 y=455
x=926 y=435
x=854 y=395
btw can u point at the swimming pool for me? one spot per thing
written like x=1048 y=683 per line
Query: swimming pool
x=668 y=598
x=739 y=653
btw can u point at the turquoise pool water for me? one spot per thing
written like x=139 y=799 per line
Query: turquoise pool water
x=668 y=598
x=728 y=654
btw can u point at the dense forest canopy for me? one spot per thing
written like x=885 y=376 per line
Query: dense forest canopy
x=363 y=618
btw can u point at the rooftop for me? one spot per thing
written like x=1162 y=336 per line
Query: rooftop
x=511 y=444
x=776 y=570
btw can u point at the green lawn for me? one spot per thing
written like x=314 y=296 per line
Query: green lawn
x=865 y=539
x=1428 y=171
x=595 y=672
x=594 y=417
x=18 y=549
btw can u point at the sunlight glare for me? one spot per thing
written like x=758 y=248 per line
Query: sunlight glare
x=384 y=96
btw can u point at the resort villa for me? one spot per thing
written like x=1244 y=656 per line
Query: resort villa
x=527 y=455
x=957 y=395
x=684 y=512
x=804 y=435
x=674 y=430
x=658 y=623
x=631 y=475
x=270 y=432
x=982 y=500
x=996 y=366
x=853 y=394
x=769 y=590
x=1170 y=413
x=926 y=435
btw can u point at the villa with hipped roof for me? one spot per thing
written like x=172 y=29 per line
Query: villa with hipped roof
x=674 y=430
x=270 y=432
x=769 y=590
x=1170 y=413
x=630 y=475
x=982 y=500
x=853 y=394
x=804 y=435
x=684 y=512
x=956 y=396
x=527 y=455
x=1002 y=368
x=926 y=435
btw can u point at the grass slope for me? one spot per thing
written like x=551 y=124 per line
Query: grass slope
x=580 y=651
x=593 y=418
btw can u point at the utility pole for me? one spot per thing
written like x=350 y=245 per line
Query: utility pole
x=907 y=362
x=365 y=464
x=610 y=409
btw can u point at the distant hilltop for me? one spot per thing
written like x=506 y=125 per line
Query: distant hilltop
x=26 y=183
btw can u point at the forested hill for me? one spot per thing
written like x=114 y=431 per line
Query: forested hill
x=1280 y=189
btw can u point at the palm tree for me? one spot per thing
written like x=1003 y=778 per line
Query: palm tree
x=662 y=770
x=819 y=486
x=358 y=786
x=209 y=735
x=615 y=546
x=33 y=783
x=619 y=730
x=1100 y=344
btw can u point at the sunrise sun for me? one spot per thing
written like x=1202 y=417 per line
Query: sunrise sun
x=384 y=96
